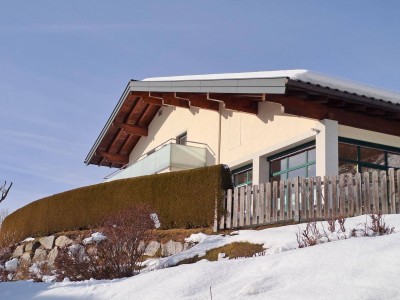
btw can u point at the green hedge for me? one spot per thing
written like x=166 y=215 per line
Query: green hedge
x=184 y=199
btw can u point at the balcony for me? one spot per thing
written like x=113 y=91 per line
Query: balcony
x=166 y=157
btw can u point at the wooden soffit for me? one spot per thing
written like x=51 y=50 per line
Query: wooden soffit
x=137 y=109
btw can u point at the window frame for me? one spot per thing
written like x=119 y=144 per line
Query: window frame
x=290 y=153
x=246 y=168
x=363 y=164
x=180 y=137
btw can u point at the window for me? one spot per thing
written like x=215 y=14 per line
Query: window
x=358 y=156
x=181 y=139
x=243 y=176
x=299 y=161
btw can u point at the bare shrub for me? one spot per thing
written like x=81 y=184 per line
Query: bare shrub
x=378 y=225
x=309 y=236
x=128 y=234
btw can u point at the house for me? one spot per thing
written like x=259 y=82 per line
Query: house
x=264 y=125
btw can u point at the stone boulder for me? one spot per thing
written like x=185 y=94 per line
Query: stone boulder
x=171 y=248
x=63 y=241
x=18 y=251
x=25 y=258
x=47 y=242
x=52 y=256
x=152 y=248
x=32 y=246
x=40 y=255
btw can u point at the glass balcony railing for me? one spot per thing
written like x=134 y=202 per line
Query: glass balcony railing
x=167 y=156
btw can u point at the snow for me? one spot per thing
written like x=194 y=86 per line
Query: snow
x=156 y=220
x=355 y=268
x=28 y=239
x=300 y=75
x=11 y=265
x=95 y=237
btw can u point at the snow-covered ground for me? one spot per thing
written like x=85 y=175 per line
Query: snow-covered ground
x=356 y=268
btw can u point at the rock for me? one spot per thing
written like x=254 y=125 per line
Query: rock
x=152 y=248
x=171 y=248
x=47 y=242
x=40 y=255
x=32 y=246
x=18 y=251
x=52 y=256
x=186 y=246
x=63 y=241
x=26 y=257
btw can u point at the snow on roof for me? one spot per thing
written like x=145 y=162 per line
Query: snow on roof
x=306 y=76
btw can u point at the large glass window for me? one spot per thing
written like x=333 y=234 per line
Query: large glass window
x=243 y=176
x=357 y=156
x=299 y=161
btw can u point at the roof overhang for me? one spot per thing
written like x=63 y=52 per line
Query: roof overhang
x=300 y=92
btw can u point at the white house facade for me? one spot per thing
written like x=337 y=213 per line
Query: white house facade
x=265 y=126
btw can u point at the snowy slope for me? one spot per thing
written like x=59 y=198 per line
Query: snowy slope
x=356 y=268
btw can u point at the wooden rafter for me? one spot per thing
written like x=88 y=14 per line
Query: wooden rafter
x=132 y=129
x=114 y=158
x=199 y=100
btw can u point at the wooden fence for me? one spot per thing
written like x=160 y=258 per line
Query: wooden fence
x=302 y=199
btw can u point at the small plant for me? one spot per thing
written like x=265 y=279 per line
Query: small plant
x=378 y=225
x=119 y=255
x=309 y=236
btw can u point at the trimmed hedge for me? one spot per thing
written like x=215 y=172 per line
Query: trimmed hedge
x=184 y=199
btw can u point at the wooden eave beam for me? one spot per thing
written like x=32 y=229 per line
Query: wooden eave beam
x=170 y=99
x=299 y=107
x=146 y=98
x=237 y=104
x=199 y=100
x=114 y=158
x=132 y=129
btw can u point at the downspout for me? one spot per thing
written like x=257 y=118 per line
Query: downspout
x=221 y=103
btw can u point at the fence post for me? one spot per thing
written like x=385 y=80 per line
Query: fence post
x=274 y=201
x=342 y=195
x=375 y=191
x=398 y=189
x=235 y=207
x=282 y=200
x=229 y=209
x=296 y=199
x=350 y=198
x=318 y=192
x=367 y=193
x=256 y=205
x=358 y=194
x=303 y=186
x=268 y=202
x=326 y=198
x=248 y=205
x=384 y=198
x=310 y=201
x=392 y=192
x=241 y=207
x=289 y=200
x=261 y=199
x=334 y=196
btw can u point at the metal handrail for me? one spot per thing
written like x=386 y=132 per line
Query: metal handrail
x=167 y=142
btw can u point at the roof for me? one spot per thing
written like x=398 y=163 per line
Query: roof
x=351 y=103
x=305 y=76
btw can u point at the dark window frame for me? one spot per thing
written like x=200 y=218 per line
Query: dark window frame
x=363 y=164
x=290 y=153
x=246 y=168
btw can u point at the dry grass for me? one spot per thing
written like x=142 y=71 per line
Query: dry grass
x=233 y=251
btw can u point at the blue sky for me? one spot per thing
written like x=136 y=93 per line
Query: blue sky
x=64 y=65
